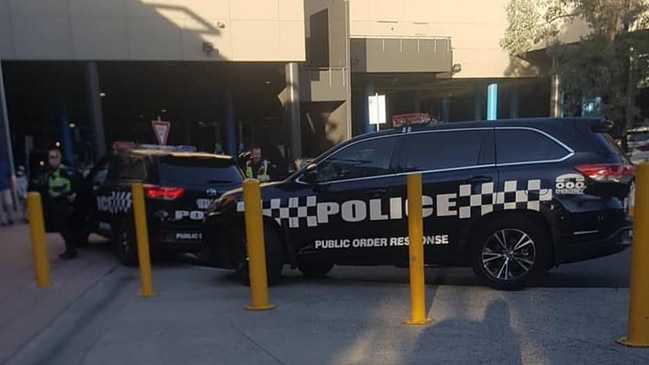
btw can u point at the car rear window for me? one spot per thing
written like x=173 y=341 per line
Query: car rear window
x=193 y=170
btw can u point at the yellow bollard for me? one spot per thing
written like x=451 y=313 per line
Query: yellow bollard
x=256 y=247
x=416 y=252
x=142 y=234
x=37 y=232
x=638 y=322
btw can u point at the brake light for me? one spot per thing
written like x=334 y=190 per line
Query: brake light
x=607 y=172
x=643 y=148
x=163 y=192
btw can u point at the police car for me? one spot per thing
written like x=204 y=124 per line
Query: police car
x=509 y=198
x=179 y=185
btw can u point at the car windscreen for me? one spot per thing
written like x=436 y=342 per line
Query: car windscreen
x=197 y=170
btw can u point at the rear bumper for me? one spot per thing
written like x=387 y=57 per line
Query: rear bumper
x=177 y=239
x=616 y=242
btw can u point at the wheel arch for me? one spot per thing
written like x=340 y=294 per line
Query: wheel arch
x=542 y=217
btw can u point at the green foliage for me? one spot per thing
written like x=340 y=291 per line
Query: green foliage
x=611 y=61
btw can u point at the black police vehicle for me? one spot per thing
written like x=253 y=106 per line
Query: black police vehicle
x=509 y=198
x=178 y=183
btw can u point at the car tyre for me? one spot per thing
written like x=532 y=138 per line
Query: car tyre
x=315 y=269
x=274 y=257
x=125 y=246
x=507 y=252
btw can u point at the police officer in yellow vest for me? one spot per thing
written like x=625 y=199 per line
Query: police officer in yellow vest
x=258 y=167
x=58 y=185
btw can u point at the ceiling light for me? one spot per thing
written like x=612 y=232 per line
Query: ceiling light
x=57 y=144
x=267 y=82
x=163 y=110
x=103 y=95
x=72 y=125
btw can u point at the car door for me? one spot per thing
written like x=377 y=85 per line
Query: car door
x=350 y=190
x=459 y=184
x=92 y=188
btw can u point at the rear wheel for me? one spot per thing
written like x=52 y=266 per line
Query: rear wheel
x=124 y=242
x=274 y=257
x=315 y=269
x=509 y=251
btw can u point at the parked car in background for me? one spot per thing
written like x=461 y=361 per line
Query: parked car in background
x=179 y=185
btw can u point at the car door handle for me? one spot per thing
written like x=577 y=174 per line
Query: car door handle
x=480 y=179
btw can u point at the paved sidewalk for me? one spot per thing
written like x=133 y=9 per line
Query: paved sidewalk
x=198 y=317
x=27 y=309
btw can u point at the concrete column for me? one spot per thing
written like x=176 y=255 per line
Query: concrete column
x=492 y=101
x=513 y=102
x=293 y=110
x=477 y=104
x=555 y=91
x=6 y=153
x=230 y=126
x=369 y=91
x=96 y=114
x=67 y=150
x=446 y=109
x=416 y=100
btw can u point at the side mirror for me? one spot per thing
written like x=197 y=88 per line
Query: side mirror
x=311 y=174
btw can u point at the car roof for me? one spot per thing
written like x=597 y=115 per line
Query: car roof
x=513 y=122
x=153 y=152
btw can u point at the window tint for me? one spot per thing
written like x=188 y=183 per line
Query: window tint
x=134 y=170
x=362 y=159
x=100 y=173
x=188 y=170
x=447 y=149
x=521 y=145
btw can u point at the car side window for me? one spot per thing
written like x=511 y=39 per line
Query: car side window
x=362 y=159
x=524 y=145
x=134 y=169
x=100 y=173
x=449 y=149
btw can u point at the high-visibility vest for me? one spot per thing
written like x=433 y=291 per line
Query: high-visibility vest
x=58 y=184
x=262 y=174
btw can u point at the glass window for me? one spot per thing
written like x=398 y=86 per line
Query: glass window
x=186 y=170
x=448 y=149
x=100 y=173
x=522 y=145
x=362 y=159
x=132 y=169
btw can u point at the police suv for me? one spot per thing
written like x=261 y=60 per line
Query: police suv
x=509 y=198
x=179 y=185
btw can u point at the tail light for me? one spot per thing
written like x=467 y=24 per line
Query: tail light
x=643 y=148
x=607 y=172
x=163 y=192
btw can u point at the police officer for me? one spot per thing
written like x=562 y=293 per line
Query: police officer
x=58 y=185
x=259 y=168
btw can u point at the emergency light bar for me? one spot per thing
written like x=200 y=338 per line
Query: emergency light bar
x=130 y=145
x=401 y=120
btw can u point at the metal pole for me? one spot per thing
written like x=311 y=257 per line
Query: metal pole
x=638 y=322
x=256 y=247
x=142 y=234
x=416 y=252
x=37 y=231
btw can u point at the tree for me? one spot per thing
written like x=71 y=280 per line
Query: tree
x=609 y=62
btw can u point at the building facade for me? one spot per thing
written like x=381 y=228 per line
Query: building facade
x=293 y=76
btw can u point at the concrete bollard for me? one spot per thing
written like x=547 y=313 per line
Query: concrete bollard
x=37 y=232
x=416 y=252
x=142 y=235
x=638 y=322
x=256 y=247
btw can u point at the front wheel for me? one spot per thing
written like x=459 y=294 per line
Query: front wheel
x=509 y=251
x=274 y=257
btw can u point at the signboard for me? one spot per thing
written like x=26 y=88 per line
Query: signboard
x=161 y=131
x=376 y=106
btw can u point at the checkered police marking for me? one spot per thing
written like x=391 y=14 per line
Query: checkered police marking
x=527 y=197
x=116 y=202
x=470 y=201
